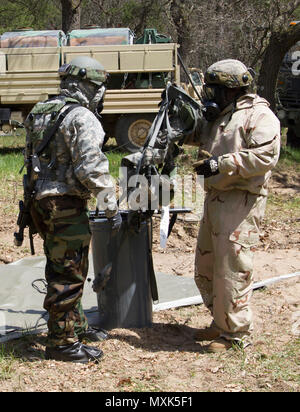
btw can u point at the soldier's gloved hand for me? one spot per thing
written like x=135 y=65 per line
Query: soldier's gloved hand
x=115 y=222
x=162 y=139
x=207 y=167
x=148 y=157
x=107 y=202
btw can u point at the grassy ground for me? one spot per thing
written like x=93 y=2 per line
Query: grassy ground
x=157 y=360
x=11 y=157
x=11 y=162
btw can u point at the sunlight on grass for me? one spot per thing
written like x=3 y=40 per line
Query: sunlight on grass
x=11 y=161
x=282 y=364
x=7 y=360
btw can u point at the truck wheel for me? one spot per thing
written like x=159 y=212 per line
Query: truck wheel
x=292 y=140
x=131 y=130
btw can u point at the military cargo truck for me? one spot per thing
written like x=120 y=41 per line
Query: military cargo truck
x=29 y=61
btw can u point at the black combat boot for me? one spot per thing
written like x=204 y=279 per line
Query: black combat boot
x=93 y=334
x=76 y=352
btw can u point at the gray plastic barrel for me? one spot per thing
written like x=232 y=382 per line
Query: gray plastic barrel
x=126 y=300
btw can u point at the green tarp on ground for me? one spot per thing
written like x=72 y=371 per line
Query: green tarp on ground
x=21 y=304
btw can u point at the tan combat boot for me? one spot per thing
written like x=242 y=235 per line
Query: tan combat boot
x=221 y=345
x=209 y=333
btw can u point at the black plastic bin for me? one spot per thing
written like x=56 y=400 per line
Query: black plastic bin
x=126 y=299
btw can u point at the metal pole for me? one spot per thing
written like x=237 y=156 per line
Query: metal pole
x=189 y=77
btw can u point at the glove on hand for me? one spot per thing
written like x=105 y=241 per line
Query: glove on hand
x=207 y=167
x=115 y=222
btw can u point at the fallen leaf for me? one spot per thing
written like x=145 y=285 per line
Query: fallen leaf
x=124 y=381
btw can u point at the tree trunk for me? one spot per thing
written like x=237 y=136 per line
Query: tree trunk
x=70 y=10
x=279 y=44
x=180 y=15
x=270 y=66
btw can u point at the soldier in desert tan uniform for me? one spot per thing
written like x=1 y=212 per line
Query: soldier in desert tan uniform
x=241 y=143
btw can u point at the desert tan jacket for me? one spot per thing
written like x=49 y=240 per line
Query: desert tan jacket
x=246 y=140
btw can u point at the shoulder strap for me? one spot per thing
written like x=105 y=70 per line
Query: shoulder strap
x=50 y=133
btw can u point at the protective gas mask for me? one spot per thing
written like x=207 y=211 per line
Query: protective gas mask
x=95 y=95
x=96 y=104
x=214 y=101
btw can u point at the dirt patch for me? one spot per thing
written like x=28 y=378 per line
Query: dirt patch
x=166 y=357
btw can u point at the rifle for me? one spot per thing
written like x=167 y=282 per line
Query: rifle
x=24 y=217
x=160 y=146
x=161 y=124
x=189 y=77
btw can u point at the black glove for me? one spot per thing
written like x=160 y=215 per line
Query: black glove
x=207 y=167
x=115 y=222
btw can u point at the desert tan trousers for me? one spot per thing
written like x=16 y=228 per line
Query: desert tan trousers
x=228 y=234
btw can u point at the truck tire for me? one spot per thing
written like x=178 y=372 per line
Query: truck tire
x=292 y=140
x=132 y=129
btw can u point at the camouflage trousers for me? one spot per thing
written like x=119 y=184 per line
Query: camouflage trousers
x=63 y=224
x=227 y=236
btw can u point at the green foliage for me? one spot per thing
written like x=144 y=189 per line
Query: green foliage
x=148 y=14
x=130 y=10
x=290 y=156
x=13 y=17
x=135 y=14
x=46 y=14
x=37 y=14
x=296 y=15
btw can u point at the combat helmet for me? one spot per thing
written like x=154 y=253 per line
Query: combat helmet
x=84 y=68
x=229 y=73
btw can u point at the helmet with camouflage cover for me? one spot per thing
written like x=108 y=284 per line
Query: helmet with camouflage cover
x=229 y=73
x=84 y=79
x=84 y=68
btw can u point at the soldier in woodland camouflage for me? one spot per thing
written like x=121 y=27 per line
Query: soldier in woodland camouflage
x=70 y=169
x=241 y=142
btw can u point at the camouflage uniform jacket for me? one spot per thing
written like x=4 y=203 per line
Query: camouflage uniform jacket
x=73 y=163
x=246 y=140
